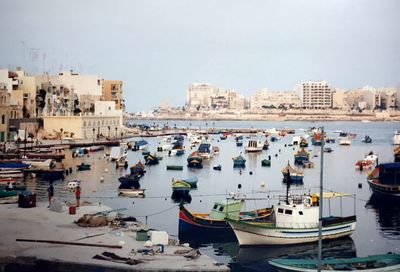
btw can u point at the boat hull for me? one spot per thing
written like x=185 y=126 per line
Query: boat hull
x=251 y=234
x=385 y=190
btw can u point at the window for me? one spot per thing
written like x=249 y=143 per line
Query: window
x=221 y=208
x=215 y=206
x=84 y=123
x=280 y=210
x=3 y=119
x=300 y=212
x=288 y=211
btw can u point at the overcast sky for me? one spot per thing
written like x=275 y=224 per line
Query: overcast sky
x=157 y=48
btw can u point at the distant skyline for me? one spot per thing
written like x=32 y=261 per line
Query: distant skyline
x=157 y=48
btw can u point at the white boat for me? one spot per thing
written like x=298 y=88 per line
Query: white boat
x=117 y=152
x=344 y=141
x=39 y=163
x=205 y=150
x=254 y=146
x=369 y=162
x=396 y=138
x=11 y=174
x=132 y=192
x=295 y=222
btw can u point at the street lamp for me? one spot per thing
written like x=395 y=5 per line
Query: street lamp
x=109 y=131
x=116 y=132
x=93 y=133
x=61 y=134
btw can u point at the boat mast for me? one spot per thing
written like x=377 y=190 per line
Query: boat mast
x=321 y=177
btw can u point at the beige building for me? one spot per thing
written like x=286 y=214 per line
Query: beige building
x=4 y=112
x=267 y=98
x=112 y=91
x=105 y=121
x=316 y=95
x=199 y=94
x=338 y=101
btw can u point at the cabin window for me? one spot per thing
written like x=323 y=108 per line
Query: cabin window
x=300 y=212
x=288 y=211
x=280 y=210
x=221 y=208
x=215 y=206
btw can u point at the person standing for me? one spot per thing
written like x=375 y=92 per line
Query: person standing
x=78 y=195
x=50 y=192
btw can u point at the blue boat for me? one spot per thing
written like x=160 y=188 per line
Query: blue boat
x=195 y=160
x=138 y=169
x=301 y=156
x=317 y=139
x=217 y=167
x=151 y=159
x=52 y=174
x=13 y=165
x=384 y=180
x=129 y=182
x=239 y=162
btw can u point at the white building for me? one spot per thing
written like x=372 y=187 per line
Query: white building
x=316 y=95
x=199 y=94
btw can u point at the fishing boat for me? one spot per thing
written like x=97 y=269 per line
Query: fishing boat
x=13 y=165
x=330 y=140
x=239 y=143
x=132 y=192
x=180 y=185
x=367 y=139
x=266 y=145
x=266 y=163
x=396 y=138
x=39 y=163
x=384 y=180
x=254 y=146
x=344 y=141
x=94 y=148
x=195 y=160
x=328 y=149
x=301 y=156
x=367 y=163
x=11 y=174
x=214 y=222
x=191 y=181
x=295 y=175
x=303 y=142
x=175 y=167
x=122 y=162
x=141 y=145
x=129 y=182
x=117 y=152
x=383 y=262
x=296 y=221
x=239 y=162
x=217 y=167
x=83 y=167
x=151 y=159
x=317 y=139
x=56 y=157
x=52 y=174
x=138 y=169
x=205 y=151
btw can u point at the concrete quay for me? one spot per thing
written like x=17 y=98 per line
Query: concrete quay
x=40 y=223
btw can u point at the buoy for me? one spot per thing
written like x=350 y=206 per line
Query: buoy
x=239 y=186
x=262 y=184
x=360 y=185
x=106 y=170
x=285 y=146
x=276 y=155
x=251 y=172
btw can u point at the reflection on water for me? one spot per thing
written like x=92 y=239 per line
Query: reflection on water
x=387 y=215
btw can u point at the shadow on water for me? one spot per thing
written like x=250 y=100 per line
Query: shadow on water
x=387 y=215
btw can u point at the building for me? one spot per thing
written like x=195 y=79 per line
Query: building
x=338 y=101
x=274 y=99
x=112 y=91
x=105 y=121
x=199 y=95
x=316 y=95
x=4 y=112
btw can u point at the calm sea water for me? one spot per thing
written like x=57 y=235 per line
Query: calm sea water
x=378 y=224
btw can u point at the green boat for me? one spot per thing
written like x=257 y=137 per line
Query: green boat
x=266 y=162
x=8 y=193
x=180 y=185
x=175 y=167
x=384 y=262
x=83 y=167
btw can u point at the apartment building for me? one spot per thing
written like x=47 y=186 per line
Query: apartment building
x=267 y=98
x=316 y=95
x=112 y=91
x=199 y=94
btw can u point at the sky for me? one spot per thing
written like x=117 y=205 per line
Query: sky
x=159 y=47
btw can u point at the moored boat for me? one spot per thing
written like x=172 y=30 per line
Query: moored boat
x=132 y=192
x=367 y=163
x=396 y=138
x=344 y=141
x=205 y=150
x=301 y=156
x=175 y=167
x=13 y=165
x=254 y=146
x=138 y=169
x=83 y=167
x=296 y=175
x=151 y=159
x=239 y=162
x=266 y=162
x=383 y=262
x=217 y=167
x=39 y=163
x=195 y=160
x=384 y=180
x=52 y=174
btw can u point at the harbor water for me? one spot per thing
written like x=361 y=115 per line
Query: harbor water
x=378 y=223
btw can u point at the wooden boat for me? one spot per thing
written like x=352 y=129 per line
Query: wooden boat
x=57 y=157
x=254 y=146
x=367 y=139
x=132 y=192
x=83 y=167
x=367 y=163
x=151 y=159
x=344 y=141
x=214 y=222
x=11 y=174
x=303 y=142
x=295 y=175
x=384 y=180
x=122 y=162
x=13 y=165
x=266 y=163
x=195 y=160
x=205 y=151
x=384 y=262
x=296 y=221
x=266 y=145
x=180 y=185
x=40 y=163
x=52 y=174
x=317 y=139
x=328 y=149
x=175 y=167
x=239 y=143
x=301 y=156
x=138 y=169
x=191 y=181
x=396 y=138
x=239 y=162
x=217 y=167
x=129 y=182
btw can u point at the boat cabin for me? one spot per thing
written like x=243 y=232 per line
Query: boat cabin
x=229 y=208
x=299 y=213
